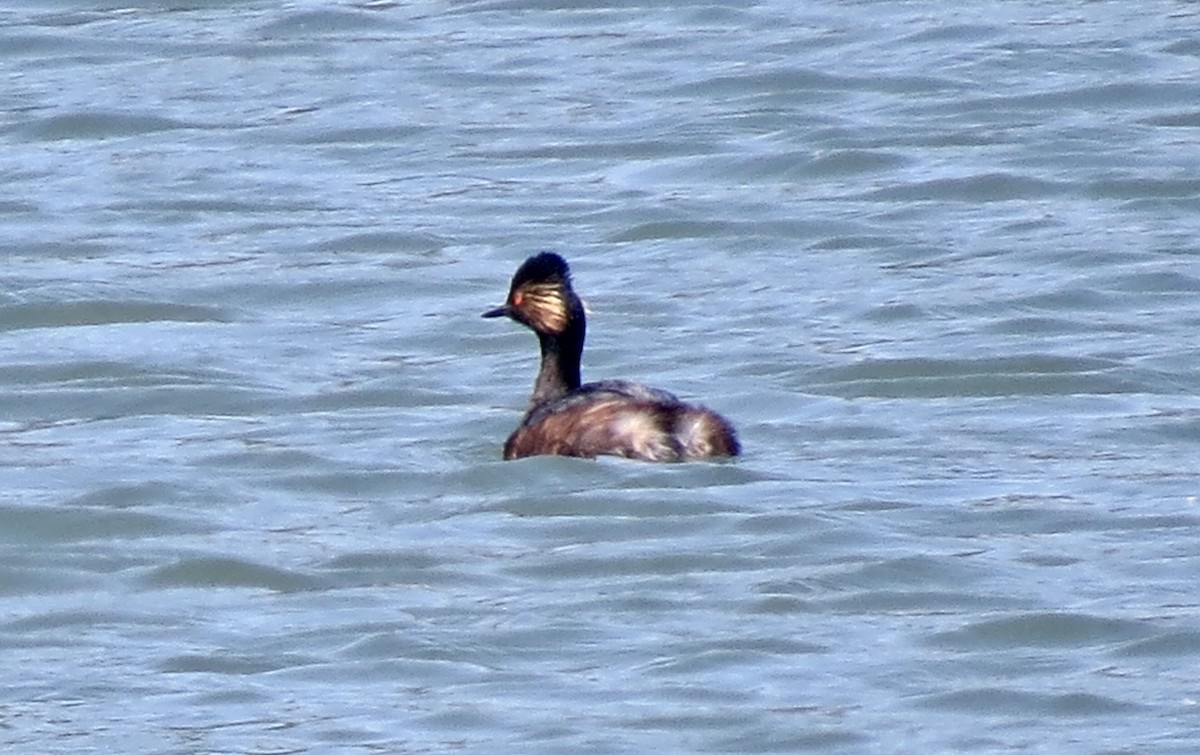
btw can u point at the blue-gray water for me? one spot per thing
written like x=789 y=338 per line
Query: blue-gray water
x=940 y=263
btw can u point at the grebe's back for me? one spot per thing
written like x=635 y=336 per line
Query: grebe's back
x=621 y=418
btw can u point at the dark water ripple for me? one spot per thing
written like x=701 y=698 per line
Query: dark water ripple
x=939 y=263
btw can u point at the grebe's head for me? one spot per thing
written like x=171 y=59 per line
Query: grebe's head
x=541 y=296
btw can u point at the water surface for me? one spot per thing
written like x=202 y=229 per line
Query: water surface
x=937 y=262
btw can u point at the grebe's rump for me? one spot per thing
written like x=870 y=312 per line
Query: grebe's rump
x=611 y=417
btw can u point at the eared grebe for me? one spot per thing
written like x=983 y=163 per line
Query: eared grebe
x=613 y=417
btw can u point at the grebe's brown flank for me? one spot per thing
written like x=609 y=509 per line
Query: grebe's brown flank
x=613 y=417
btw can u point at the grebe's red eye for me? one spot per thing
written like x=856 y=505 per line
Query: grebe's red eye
x=518 y=298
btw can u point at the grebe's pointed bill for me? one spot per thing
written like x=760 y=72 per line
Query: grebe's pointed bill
x=497 y=312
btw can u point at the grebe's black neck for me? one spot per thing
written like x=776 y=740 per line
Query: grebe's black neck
x=561 y=354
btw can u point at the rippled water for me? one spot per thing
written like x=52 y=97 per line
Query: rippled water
x=938 y=262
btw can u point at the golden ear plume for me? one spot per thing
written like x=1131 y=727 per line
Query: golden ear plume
x=544 y=305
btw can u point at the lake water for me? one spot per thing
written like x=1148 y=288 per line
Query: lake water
x=939 y=262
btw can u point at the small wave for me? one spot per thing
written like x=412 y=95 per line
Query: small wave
x=224 y=571
x=59 y=314
x=1040 y=630
x=96 y=125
